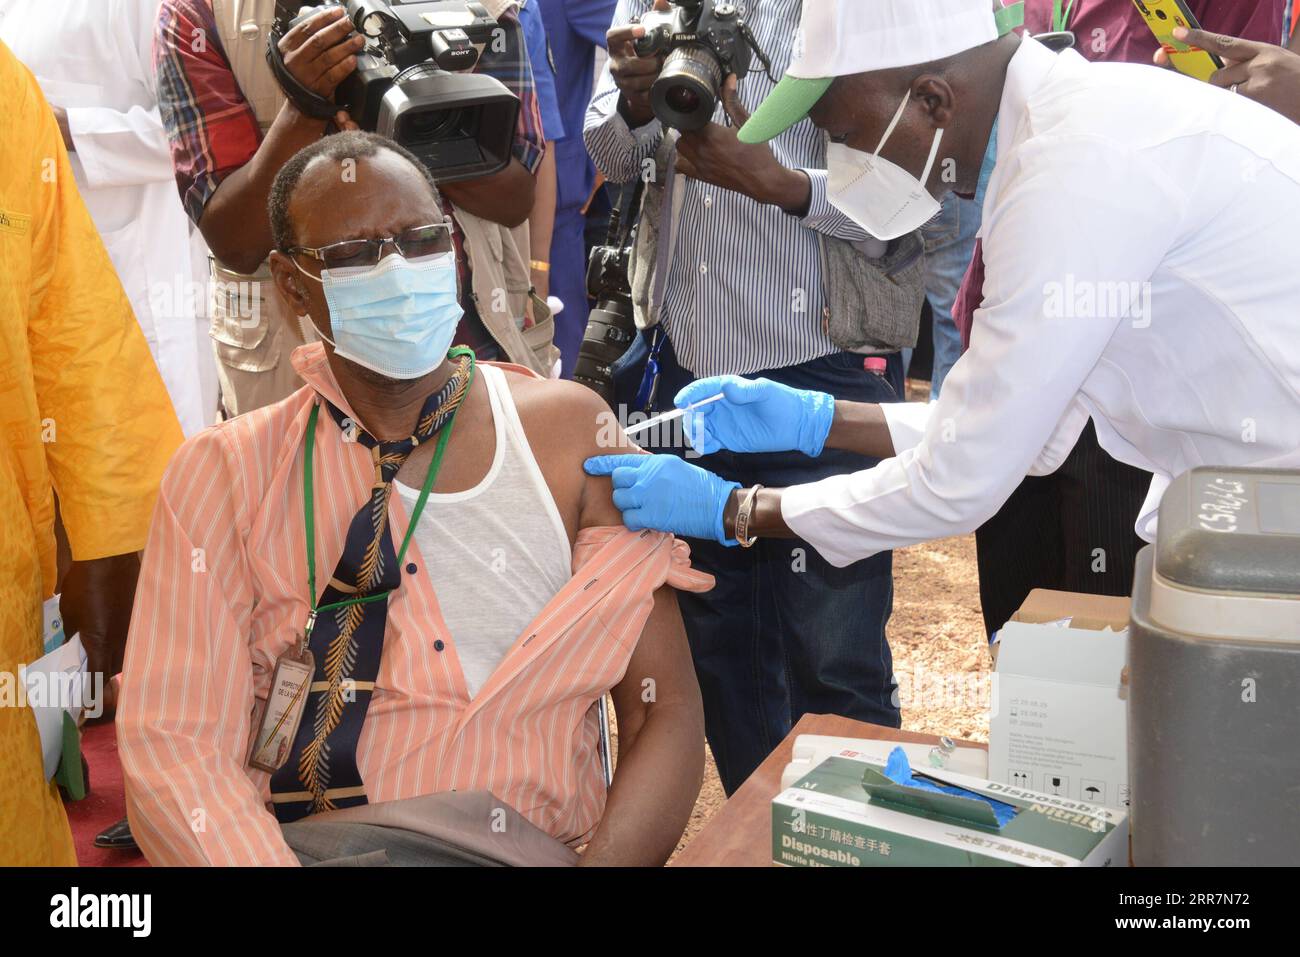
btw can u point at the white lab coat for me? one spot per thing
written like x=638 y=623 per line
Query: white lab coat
x=1107 y=175
x=94 y=59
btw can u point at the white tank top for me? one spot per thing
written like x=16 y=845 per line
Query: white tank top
x=495 y=553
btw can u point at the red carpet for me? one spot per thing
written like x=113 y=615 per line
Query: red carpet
x=104 y=805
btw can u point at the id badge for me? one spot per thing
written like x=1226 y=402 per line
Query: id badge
x=285 y=702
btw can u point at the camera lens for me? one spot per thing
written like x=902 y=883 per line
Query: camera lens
x=609 y=333
x=428 y=126
x=685 y=95
x=683 y=99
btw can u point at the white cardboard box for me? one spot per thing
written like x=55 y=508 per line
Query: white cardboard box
x=1059 y=722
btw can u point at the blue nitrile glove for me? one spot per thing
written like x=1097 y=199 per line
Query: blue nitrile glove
x=899 y=770
x=757 y=415
x=666 y=494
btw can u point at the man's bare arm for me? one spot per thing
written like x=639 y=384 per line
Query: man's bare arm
x=660 y=747
x=541 y=221
x=660 y=716
x=235 y=223
x=857 y=427
x=505 y=197
x=860 y=427
x=320 y=52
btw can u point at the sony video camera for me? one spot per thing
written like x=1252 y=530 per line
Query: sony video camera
x=410 y=84
x=702 y=41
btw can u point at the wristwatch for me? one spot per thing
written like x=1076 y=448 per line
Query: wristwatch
x=743 y=538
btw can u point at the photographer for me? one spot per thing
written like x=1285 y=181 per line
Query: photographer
x=784 y=632
x=231 y=129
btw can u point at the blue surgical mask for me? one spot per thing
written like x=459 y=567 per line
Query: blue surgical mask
x=397 y=317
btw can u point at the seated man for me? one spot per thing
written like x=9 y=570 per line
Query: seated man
x=461 y=650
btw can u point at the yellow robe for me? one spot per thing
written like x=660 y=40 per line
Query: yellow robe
x=82 y=411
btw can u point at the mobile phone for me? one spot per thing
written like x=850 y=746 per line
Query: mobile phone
x=1162 y=16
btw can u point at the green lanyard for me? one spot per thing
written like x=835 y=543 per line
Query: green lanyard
x=309 y=509
x=1009 y=18
x=1061 y=18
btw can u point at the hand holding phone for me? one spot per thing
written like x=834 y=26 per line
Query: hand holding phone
x=1264 y=72
x=1165 y=16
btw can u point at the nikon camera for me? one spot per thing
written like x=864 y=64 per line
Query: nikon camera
x=701 y=41
x=610 y=325
x=410 y=82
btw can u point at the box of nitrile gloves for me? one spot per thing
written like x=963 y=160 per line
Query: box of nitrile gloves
x=847 y=813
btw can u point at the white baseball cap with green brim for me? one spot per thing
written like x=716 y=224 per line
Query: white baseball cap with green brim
x=845 y=37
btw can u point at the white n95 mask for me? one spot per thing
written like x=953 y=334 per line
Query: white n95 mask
x=397 y=317
x=881 y=197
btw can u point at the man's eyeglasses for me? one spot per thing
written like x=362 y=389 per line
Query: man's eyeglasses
x=415 y=243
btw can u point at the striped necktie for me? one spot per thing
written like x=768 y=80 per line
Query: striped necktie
x=321 y=772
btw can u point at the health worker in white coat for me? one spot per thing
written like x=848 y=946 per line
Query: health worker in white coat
x=93 y=60
x=1139 y=264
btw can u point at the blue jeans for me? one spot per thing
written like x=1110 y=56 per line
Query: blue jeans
x=949 y=245
x=784 y=633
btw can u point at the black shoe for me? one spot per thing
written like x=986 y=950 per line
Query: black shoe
x=117 y=836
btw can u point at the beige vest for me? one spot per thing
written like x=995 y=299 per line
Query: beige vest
x=502 y=290
x=498 y=256
x=244 y=26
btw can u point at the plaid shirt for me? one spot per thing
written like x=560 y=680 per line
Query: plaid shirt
x=510 y=65
x=212 y=128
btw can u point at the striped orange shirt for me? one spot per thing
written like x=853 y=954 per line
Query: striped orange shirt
x=223 y=594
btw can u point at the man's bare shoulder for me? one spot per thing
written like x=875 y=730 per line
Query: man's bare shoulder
x=566 y=423
x=567 y=415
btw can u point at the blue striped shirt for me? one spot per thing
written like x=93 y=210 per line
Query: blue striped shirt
x=744 y=291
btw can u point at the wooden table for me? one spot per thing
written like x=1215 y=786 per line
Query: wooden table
x=740 y=833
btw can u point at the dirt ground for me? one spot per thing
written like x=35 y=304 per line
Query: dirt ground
x=941 y=656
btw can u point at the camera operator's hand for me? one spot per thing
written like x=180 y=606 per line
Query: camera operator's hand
x=716 y=155
x=321 y=51
x=633 y=75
